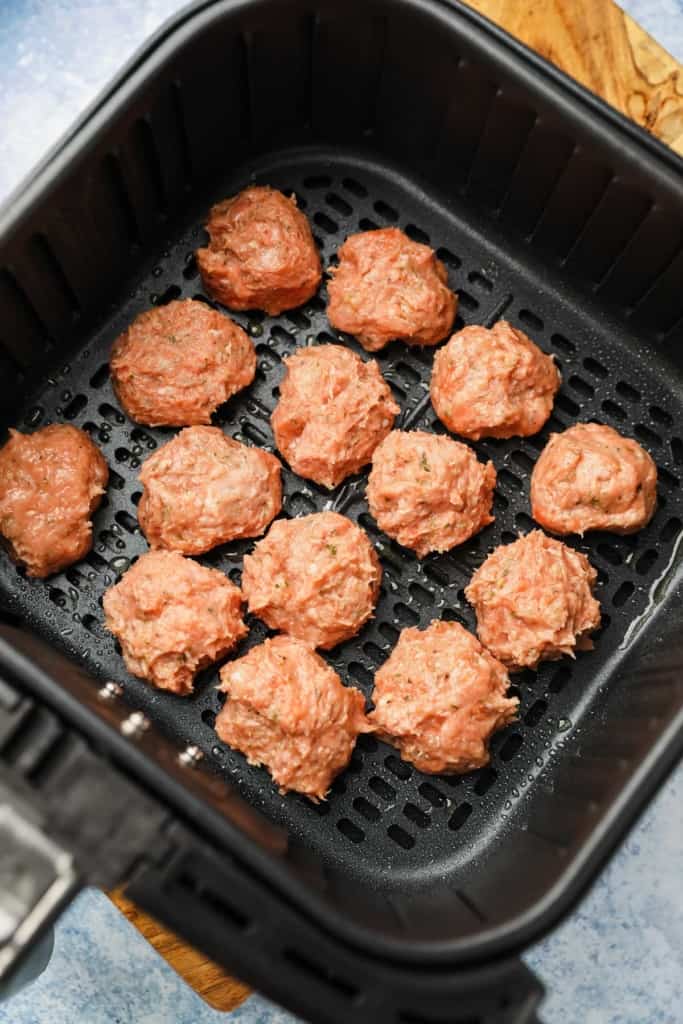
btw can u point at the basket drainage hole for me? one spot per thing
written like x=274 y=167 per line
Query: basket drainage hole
x=171 y=293
x=627 y=391
x=671 y=529
x=646 y=561
x=401 y=837
x=351 y=831
x=326 y=223
x=431 y=794
x=596 y=368
x=487 y=778
x=417 y=234
x=355 y=187
x=398 y=768
x=449 y=258
x=317 y=181
x=535 y=713
x=385 y=211
x=382 y=788
x=76 y=405
x=511 y=746
x=459 y=816
x=417 y=816
x=623 y=594
x=338 y=204
x=560 y=679
x=531 y=319
x=209 y=717
x=480 y=280
x=100 y=376
x=564 y=344
x=366 y=809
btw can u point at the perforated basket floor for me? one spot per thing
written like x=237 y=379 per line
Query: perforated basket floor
x=382 y=815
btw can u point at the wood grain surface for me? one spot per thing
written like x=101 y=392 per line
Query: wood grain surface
x=604 y=49
x=600 y=46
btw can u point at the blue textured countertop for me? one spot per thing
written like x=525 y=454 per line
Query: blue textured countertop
x=619 y=957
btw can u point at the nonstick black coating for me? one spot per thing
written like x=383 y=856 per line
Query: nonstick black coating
x=384 y=821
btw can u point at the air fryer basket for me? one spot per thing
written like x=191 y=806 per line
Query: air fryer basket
x=548 y=210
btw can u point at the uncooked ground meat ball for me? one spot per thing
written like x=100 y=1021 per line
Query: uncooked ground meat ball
x=493 y=382
x=429 y=492
x=333 y=411
x=177 y=363
x=316 y=578
x=534 y=601
x=439 y=697
x=173 y=617
x=51 y=482
x=591 y=478
x=288 y=710
x=388 y=287
x=203 y=489
x=261 y=253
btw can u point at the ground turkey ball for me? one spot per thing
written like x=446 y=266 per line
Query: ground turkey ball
x=173 y=617
x=388 y=287
x=333 y=411
x=591 y=478
x=261 y=253
x=288 y=710
x=429 y=492
x=316 y=578
x=177 y=363
x=51 y=482
x=493 y=382
x=534 y=601
x=439 y=697
x=203 y=489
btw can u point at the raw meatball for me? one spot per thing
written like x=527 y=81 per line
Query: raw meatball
x=493 y=383
x=288 y=710
x=173 y=617
x=429 y=492
x=177 y=363
x=203 y=489
x=387 y=286
x=316 y=578
x=534 y=601
x=439 y=697
x=261 y=253
x=591 y=478
x=334 y=409
x=51 y=482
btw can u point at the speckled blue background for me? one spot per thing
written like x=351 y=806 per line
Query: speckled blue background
x=619 y=958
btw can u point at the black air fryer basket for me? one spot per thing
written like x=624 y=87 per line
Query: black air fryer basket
x=403 y=898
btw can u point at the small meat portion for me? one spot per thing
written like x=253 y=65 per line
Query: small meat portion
x=261 y=253
x=177 y=363
x=429 y=492
x=439 y=697
x=288 y=710
x=333 y=411
x=493 y=383
x=173 y=617
x=591 y=478
x=316 y=578
x=203 y=489
x=51 y=482
x=534 y=601
x=388 y=287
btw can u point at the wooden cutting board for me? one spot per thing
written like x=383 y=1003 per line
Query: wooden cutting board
x=605 y=50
